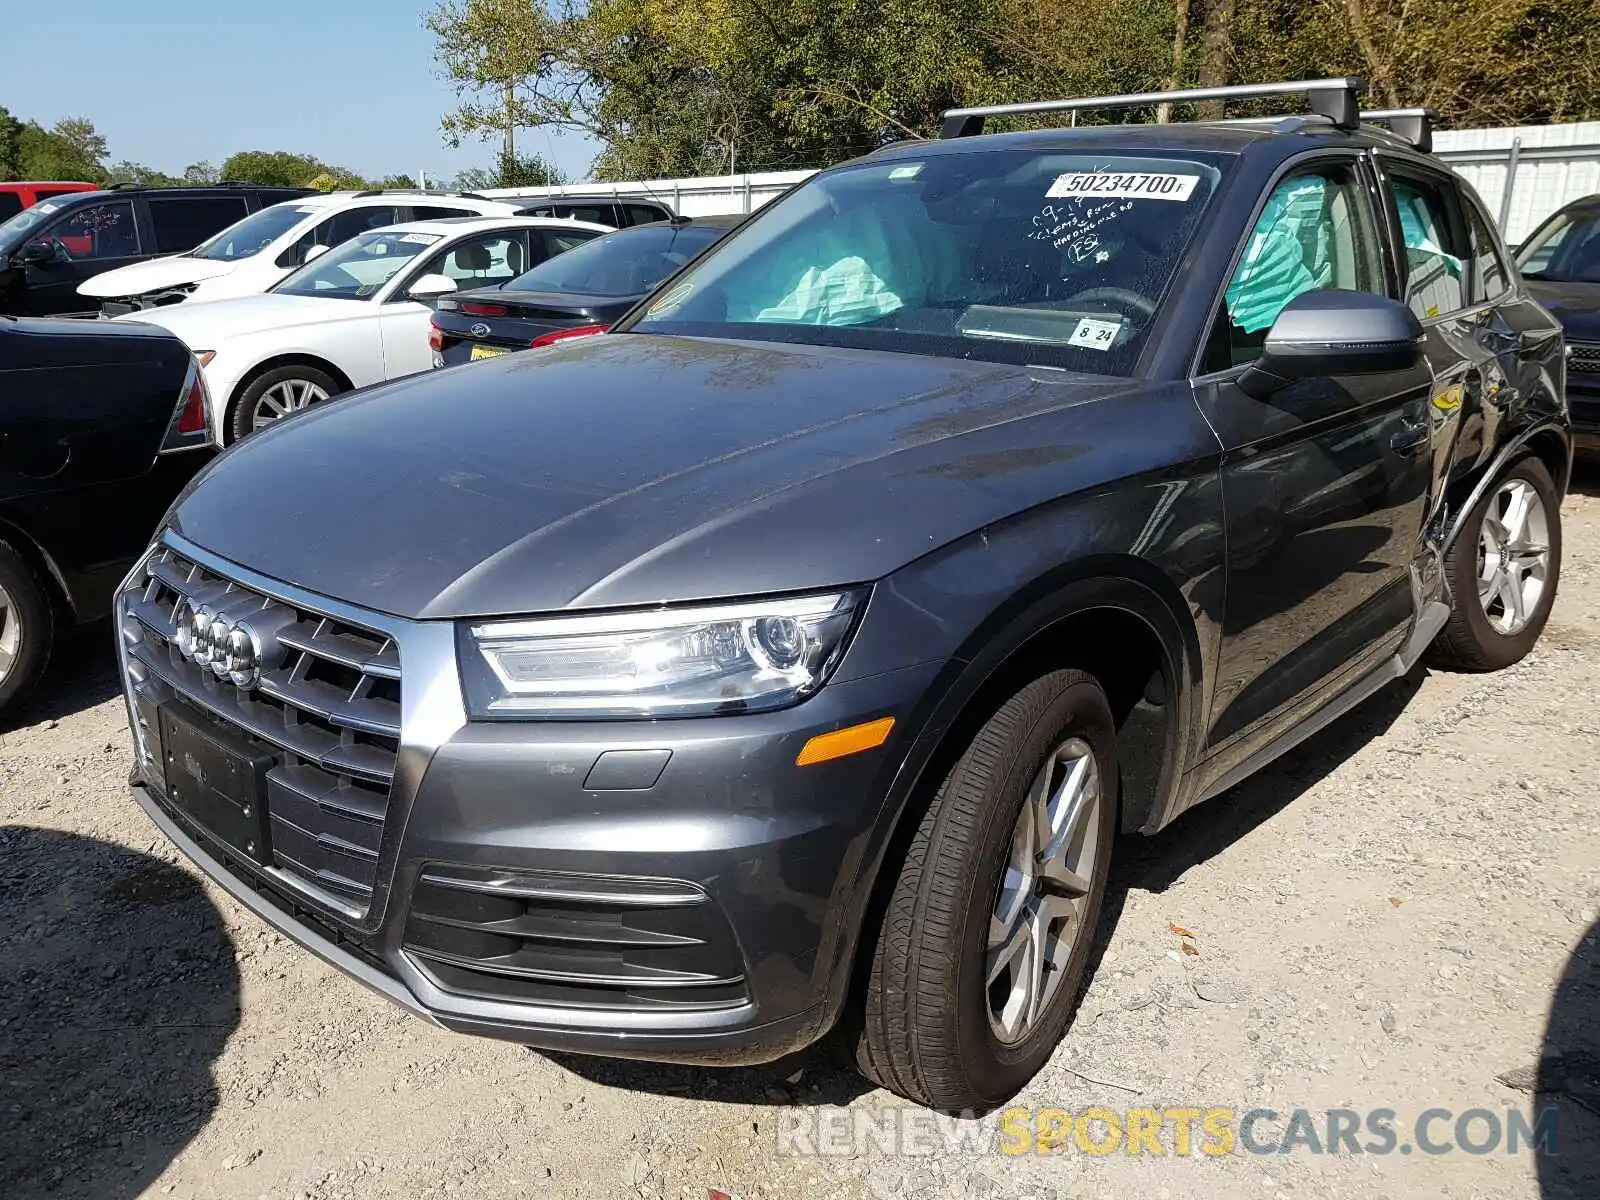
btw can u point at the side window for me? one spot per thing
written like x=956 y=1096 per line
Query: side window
x=428 y=212
x=97 y=231
x=598 y=214
x=358 y=220
x=1435 y=247
x=558 y=241
x=1315 y=231
x=487 y=260
x=182 y=223
x=51 y=193
x=10 y=205
x=642 y=214
x=1490 y=279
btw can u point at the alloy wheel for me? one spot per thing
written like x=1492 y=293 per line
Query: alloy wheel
x=10 y=633
x=1038 y=916
x=284 y=399
x=1513 y=556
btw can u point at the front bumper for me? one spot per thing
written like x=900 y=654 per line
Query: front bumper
x=676 y=890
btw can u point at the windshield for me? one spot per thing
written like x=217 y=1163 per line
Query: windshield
x=1054 y=258
x=20 y=227
x=249 y=237
x=356 y=269
x=1566 y=250
x=628 y=263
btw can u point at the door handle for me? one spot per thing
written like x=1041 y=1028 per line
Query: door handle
x=1409 y=440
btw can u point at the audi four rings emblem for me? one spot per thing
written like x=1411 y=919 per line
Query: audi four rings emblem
x=479 y=330
x=208 y=638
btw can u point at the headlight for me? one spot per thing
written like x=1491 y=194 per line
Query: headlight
x=727 y=658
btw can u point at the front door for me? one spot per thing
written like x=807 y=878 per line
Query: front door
x=1325 y=484
x=86 y=241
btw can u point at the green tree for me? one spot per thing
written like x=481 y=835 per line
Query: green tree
x=527 y=170
x=132 y=172
x=10 y=146
x=46 y=154
x=200 y=174
x=281 y=168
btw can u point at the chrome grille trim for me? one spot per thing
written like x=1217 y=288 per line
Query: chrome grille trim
x=354 y=757
x=1583 y=357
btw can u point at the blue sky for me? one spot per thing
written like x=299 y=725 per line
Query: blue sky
x=172 y=82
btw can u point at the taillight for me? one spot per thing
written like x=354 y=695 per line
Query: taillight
x=191 y=421
x=475 y=309
x=435 y=336
x=561 y=335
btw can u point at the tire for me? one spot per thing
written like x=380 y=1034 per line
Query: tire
x=1488 y=635
x=27 y=629
x=287 y=389
x=924 y=1021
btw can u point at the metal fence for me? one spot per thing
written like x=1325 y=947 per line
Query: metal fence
x=1523 y=173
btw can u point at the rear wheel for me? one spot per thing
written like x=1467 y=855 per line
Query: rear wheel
x=1503 y=570
x=279 y=393
x=978 y=961
x=27 y=629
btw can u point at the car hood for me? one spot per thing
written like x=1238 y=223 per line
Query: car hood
x=156 y=275
x=634 y=469
x=204 y=323
x=1575 y=305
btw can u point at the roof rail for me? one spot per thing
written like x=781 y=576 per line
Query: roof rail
x=1415 y=125
x=1334 y=98
x=412 y=191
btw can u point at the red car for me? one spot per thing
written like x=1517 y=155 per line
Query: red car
x=14 y=197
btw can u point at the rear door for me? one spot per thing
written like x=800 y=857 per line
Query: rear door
x=483 y=260
x=85 y=240
x=1325 y=483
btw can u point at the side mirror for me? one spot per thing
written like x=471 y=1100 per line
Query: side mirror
x=430 y=286
x=40 y=250
x=319 y=248
x=1328 y=333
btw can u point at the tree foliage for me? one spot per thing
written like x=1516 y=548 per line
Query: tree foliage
x=281 y=168
x=687 y=87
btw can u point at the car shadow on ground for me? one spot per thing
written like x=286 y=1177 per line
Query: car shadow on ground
x=118 y=991
x=81 y=674
x=1585 y=477
x=1567 y=1079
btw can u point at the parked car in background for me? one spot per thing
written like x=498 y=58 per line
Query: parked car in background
x=1561 y=263
x=351 y=317
x=251 y=255
x=100 y=427
x=580 y=292
x=48 y=250
x=14 y=197
x=617 y=212
x=793 y=654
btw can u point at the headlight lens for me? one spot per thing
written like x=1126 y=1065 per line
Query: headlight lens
x=727 y=658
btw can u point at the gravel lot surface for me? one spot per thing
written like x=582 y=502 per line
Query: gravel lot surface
x=1402 y=914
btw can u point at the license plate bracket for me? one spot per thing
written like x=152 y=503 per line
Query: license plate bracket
x=219 y=779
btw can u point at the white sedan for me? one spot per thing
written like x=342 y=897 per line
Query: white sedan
x=354 y=316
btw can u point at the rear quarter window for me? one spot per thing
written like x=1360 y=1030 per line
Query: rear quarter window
x=10 y=205
x=183 y=222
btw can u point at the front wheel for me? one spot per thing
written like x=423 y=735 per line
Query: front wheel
x=26 y=629
x=274 y=395
x=978 y=960
x=1503 y=570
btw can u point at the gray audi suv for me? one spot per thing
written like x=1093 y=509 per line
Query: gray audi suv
x=792 y=655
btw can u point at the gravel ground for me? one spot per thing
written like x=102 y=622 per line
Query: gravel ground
x=1402 y=914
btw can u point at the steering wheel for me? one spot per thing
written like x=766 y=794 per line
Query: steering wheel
x=1140 y=306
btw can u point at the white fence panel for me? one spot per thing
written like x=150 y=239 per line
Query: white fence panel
x=1547 y=165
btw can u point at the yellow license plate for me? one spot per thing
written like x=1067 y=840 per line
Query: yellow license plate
x=486 y=352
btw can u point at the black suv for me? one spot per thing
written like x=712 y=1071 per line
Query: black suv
x=619 y=212
x=1561 y=263
x=47 y=250
x=793 y=654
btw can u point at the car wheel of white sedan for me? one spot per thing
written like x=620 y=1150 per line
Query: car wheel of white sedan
x=277 y=394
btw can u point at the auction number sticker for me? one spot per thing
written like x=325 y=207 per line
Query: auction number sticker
x=1135 y=185
x=1095 y=335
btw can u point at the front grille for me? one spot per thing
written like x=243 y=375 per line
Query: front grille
x=326 y=707
x=539 y=937
x=1584 y=358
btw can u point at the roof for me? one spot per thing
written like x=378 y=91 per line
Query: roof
x=710 y=221
x=453 y=226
